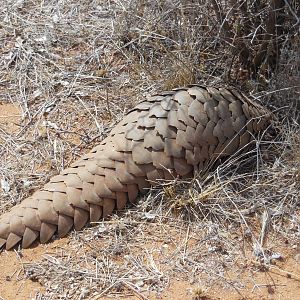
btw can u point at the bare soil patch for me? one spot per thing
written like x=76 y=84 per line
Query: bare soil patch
x=245 y=278
x=9 y=116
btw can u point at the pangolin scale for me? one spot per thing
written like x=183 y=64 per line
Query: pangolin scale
x=175 y=133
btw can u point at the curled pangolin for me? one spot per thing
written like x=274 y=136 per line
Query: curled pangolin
x=171 y=134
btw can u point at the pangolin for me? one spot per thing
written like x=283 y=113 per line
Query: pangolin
x=173 y=134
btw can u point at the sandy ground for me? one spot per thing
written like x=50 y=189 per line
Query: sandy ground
x=282 y=282
x=9 y=116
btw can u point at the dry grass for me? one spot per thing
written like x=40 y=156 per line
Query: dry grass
x=74 y=68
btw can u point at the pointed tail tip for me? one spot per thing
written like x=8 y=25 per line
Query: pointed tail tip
x=29 y=237
x=12 y=240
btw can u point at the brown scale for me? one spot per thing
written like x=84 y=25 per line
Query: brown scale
x=171 y=134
